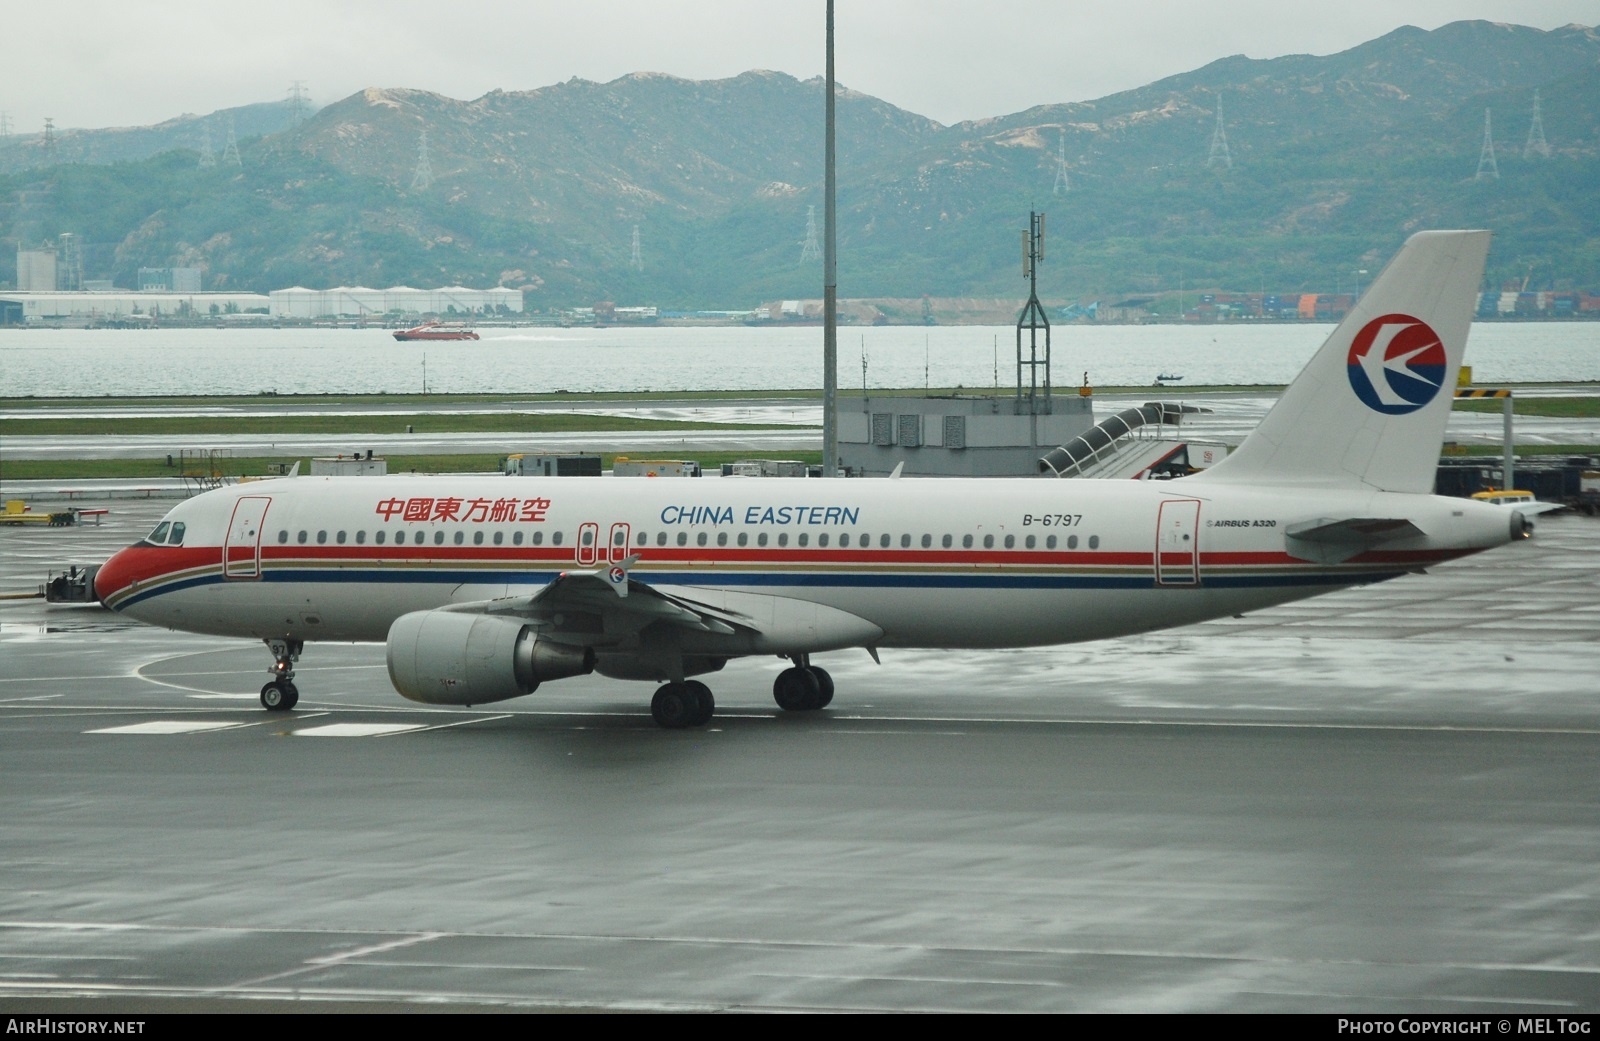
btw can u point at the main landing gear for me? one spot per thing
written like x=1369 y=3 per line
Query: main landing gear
x=803 y=688
x=686 y=704
x=280 y=695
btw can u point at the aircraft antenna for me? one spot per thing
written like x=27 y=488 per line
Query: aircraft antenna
x=208 y=158
x=1220 y=156
x=1487 y=167
x=810 y=251
x=1536 y=143
x=637 y=260
x=230 y=151
x=1063 y=182
x=422 y=180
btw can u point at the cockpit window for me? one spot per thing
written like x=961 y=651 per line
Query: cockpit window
x=160 y=534
x=176 y=537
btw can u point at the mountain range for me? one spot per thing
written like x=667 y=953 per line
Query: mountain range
x=1328 y=163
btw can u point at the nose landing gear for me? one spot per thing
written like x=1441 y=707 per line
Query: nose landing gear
x=281 y=695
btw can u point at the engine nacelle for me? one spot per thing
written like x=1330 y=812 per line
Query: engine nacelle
x=456 y=658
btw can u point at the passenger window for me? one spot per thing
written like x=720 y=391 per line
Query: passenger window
x=538 y=538
x=378 y=536
x=176 y=538
x=555 y=539
x=339 y=538
x=905 y=541
x=499 y=538
x=804 y=539
x=438 y=538
x=700 y=539
x=361 y=537
x=844 y=540
x=301 y=538
x=722 y=538
x=1072 y=542
x=1050 y=542
x=619 y=538
x=744 y=538
x=966 y=542
x=988 y=542
x=946 y=541
x=322 y=538
x=461 y=537
x=516 y=538
x=883 y=540
x=761 y=539
x=283 y=536
x=1011 y=542
x=1031 y=540
x=160 y=534
x=588 y=537
x=783 y=538
x=644 y=540
x=822 y=540
x=683 y=538
x=661 y=538
x=477 y=538
x=927 y=541
x=1094 y=541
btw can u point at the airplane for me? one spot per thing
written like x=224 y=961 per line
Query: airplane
x=483 y=588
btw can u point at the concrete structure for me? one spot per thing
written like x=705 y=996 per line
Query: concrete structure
x=955 y=436
x=17 y=308
x=349 y=466
x=358 y=301
x=36 y=270
x=169 y=280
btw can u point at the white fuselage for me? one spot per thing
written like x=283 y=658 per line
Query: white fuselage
x=938 y=563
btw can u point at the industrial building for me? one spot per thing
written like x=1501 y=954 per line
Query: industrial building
x=122 y=307
x=359 y=301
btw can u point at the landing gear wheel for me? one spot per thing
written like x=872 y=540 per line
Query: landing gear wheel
x=675 y=706
x=824 y=685
x=279 y=696
x=705 y=704
x=797 y=690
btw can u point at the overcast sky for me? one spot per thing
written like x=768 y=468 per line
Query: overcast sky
x=96 y=63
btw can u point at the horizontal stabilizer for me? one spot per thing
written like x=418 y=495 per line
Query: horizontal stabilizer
x=1327 y=541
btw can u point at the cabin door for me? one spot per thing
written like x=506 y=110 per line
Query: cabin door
x=617 y=545
x=588 y=544
x=241 y=553
x=1177 y=534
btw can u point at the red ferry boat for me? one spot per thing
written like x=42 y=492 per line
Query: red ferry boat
x=436 y=331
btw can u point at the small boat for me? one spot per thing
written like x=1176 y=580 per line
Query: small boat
x=436 y=331
x=1165 y=378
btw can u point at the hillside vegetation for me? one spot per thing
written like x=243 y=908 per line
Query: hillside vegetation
x=1335 y=159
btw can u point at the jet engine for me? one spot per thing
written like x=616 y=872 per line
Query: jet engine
x=457 y=658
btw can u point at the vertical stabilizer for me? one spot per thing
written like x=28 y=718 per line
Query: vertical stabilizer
x=1370 y=407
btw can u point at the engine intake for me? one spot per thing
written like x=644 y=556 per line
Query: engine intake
x=455 y=658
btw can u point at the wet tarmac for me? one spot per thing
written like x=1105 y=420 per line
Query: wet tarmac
x=781 y=424
x=1381 y=800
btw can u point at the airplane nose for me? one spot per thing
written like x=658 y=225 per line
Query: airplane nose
x=117 y=574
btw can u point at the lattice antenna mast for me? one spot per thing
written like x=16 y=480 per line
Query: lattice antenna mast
x=636 y=261
x=49 y=142
x=1220 y=156
x=5 y=125
x=1536 y=143
x=810 y=251
x=299 y=101
x=1487 y=167
x=208 y=158
x=422 y=179
x=1033 y=319
x=1063 y=182
x=230 y=151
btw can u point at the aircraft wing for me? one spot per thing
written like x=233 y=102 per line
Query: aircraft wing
x=1329 y=541
x=607 y=609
